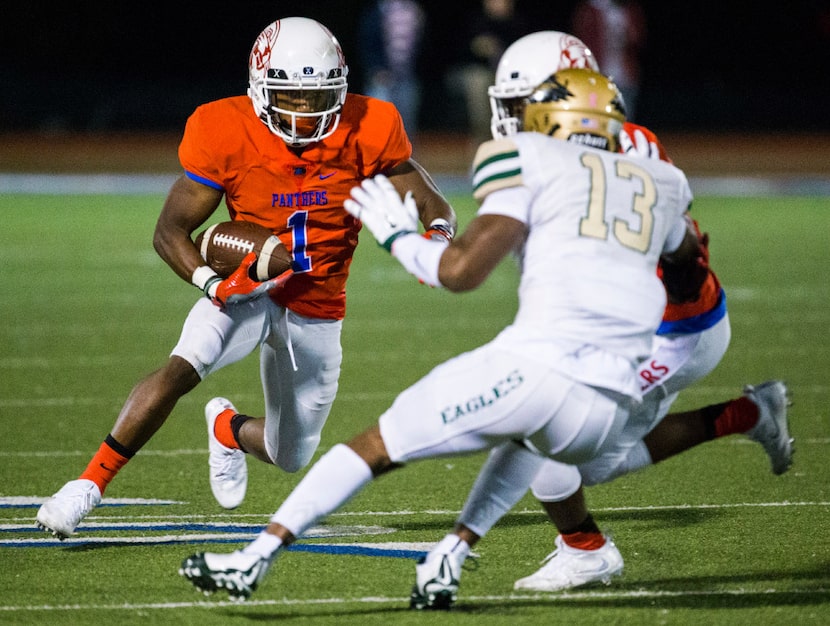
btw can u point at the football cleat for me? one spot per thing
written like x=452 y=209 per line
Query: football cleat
x=567 y=567
x=228 y=467
x=62 y=513
x=772 y=430
x=437 y=577
x=238 y=573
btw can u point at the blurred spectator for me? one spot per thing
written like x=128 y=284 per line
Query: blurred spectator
x=494 y=26
x=615 y=31
x=390 y=35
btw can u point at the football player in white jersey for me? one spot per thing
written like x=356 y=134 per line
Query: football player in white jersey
x=690 y=343
x=589 y=226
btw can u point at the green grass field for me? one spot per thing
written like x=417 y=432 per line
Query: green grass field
x=709 y=537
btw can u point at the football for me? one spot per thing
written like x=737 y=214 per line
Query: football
x=224 y=245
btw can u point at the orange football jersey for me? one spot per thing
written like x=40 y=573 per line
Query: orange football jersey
x=299 y=197
x=710 y=294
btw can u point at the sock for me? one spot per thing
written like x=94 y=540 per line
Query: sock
x=500 y=484
x=730 y=418
x=585 y=536
x=265 y=545
x=451 y=543
x=329 y=484
x=226 y=431
x=106 y=463
x=236 y=424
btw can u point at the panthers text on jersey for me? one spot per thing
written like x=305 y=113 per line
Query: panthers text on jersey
x=299 y=196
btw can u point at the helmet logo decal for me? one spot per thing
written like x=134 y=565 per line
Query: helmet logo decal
x=261 y=52
x=574 y=53
x=308 y=70
x=588 y=139
x=559 y=91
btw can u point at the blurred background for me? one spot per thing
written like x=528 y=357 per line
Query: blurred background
x=145 y=65
x=115 y=67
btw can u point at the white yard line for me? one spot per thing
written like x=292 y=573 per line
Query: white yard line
x=557 y=597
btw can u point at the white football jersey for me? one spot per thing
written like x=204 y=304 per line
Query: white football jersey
x=597 y=223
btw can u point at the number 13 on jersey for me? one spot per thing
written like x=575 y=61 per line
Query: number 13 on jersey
x=634 y=233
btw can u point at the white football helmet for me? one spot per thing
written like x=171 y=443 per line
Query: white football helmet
x=297 y=80
x=526 y=64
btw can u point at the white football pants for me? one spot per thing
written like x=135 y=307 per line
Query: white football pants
x=299 y=367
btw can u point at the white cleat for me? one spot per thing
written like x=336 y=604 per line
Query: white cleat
x=62 y=513
x=772 y=430
x=238 y=573
x=437 y=577
x=228 y=467
x=567 y=567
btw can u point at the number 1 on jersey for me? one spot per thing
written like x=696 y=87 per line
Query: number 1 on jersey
x=299 y=238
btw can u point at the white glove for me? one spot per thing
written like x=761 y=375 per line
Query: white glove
x=638 y=145
x=376 y=203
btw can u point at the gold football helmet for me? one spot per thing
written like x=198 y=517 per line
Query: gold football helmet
x=577 y=105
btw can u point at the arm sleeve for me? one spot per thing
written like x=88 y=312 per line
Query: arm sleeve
x=420 y=257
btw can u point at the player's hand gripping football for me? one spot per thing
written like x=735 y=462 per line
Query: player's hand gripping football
x=240 y=287
x=377 y=204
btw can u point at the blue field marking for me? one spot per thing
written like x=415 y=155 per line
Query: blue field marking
x=31 y=502
x=159 y=540
x=149 y=527
x=378 y=550
x=171 y=533
x=216 y=533
x=357 y=550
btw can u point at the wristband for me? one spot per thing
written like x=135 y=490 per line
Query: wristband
x=442 y=225
x=206 y=279
x=211 y=286
x=420 y=257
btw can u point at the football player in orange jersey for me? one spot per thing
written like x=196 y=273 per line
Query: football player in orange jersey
x=284 y=156
x=691 y=341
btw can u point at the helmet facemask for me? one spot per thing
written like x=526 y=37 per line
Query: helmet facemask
x=299 y=110
x=506 y=116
